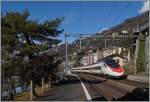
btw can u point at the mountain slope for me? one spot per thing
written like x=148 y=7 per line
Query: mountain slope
x=94 y=42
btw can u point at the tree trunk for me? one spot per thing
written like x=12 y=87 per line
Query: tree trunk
x=14 y=89
x=11 y=96
x=22 y=87
x=34 y=92
x=11 y=93
x=50 y=83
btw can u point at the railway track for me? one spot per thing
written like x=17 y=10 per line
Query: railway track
x=135 y=83
x=115 y=89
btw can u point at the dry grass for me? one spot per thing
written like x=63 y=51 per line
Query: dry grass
x=39 y=89
x=23 y=97
x=26 y=95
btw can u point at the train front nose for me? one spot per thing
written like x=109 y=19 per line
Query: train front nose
x=117 y=72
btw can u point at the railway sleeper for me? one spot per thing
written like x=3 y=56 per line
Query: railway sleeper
x=119 y=91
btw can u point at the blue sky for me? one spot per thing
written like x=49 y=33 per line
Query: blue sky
x=80 y=17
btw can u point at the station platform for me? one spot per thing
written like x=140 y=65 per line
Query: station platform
x=86 y=88
x=65 y=90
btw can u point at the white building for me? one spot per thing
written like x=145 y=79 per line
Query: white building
x=94 y=57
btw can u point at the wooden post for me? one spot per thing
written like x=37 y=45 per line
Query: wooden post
x=31 y=89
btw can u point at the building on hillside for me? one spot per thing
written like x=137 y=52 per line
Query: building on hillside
x=94 y=57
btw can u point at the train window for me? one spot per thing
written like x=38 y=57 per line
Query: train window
x=111 y=62
x=98 y=68
x=113 y=65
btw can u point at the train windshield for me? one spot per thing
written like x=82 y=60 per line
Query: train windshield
x=112 y=63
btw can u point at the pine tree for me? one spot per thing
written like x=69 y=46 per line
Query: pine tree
x=26 y=38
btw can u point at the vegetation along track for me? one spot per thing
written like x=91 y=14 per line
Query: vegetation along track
x=115 y=89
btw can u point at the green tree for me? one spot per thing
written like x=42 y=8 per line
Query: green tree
x=28 y=38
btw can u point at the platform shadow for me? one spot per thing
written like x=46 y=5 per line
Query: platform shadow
x=99 y=99
x=71 y=80
x=137 y=94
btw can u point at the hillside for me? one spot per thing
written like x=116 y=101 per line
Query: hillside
x=98 y=42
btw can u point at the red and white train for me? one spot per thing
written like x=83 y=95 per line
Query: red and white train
x=107 y=67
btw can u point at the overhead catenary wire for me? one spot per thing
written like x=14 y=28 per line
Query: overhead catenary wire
x=110 y=12
x=108 y=15
x=81 y=11
x=121 y=13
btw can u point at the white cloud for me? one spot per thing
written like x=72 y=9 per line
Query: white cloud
x=145 y=7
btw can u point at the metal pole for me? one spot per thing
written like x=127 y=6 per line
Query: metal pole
x=65 y=56
x=105 y=43
x=137 y=24
x=136 y=52
x=80 y=43
x=66 y=67
x=113 y=42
